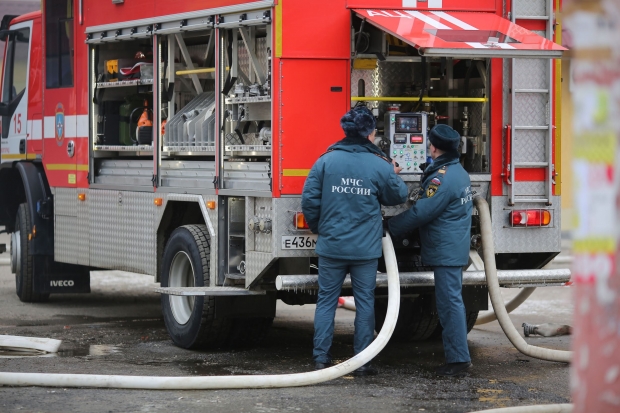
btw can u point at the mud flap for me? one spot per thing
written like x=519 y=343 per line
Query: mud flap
x=246 y=306
x=58 y=278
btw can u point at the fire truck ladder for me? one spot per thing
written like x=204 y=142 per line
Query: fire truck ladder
x=530 y=132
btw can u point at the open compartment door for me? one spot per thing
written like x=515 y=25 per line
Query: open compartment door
x=461 y=34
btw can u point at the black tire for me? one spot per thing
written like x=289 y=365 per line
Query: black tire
x=415 y=320
x=22 y=260
x=198 y=327
x=472 y=317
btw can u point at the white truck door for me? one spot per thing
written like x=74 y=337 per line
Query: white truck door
x=15 y=93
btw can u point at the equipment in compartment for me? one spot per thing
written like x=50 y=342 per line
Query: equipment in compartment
x=144 y=130
x=126 y=109
x=108 y=132
x=124 y=69
x=194 y=125
x=407 y=133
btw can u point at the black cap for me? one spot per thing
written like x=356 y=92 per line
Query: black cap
x=445 y=138
x=358 y=122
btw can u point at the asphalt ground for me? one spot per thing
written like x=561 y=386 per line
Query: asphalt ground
x=118 y=329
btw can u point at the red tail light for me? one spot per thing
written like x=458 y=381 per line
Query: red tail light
x=300 y=221
x=530 y=218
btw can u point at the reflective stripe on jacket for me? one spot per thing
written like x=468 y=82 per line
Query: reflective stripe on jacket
x=342 y=199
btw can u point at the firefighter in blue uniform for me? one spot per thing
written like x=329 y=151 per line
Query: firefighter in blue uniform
x=443 y=215
x=341 y=202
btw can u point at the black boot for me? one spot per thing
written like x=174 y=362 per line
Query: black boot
x=321 y=366
x=453 y=369
x=365 y=370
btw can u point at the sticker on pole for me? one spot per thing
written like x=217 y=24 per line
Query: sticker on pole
x=296 y=242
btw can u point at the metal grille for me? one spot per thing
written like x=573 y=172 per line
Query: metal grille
x=530 y=8
x=123 y=236
x=261 y=55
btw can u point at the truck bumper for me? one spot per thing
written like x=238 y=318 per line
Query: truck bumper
x=507 y=278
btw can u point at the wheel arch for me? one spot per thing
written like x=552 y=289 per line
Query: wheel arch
x=27 y=182
x=12 y=194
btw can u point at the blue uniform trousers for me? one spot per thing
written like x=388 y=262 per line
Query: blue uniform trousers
x=449 y=300
x=331 y=276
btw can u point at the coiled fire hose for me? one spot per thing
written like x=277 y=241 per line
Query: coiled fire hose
x=490 y=270
x=232 y=382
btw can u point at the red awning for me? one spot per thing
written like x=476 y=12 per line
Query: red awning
x=461 y=34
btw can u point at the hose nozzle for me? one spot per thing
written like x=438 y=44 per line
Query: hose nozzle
x=529 y=329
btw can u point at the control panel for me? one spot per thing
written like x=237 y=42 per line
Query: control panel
x=407 y=134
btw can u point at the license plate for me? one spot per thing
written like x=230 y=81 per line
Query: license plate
x=294 y=242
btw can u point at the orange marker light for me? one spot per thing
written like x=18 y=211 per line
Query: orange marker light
x=159 y=201
x=34 y=231
x=82 y=197
x=300 y=221
x=211 y=204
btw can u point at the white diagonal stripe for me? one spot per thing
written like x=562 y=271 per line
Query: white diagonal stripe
x=453 y=20
x=505 y=46
x=428 y=20
x=476 y=45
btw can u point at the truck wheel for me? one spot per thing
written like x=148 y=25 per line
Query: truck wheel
x=472 y=316
x=190 y=320
x=22 y=263
x=415 y=322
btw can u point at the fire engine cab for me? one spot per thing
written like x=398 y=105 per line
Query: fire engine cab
x=174 y=138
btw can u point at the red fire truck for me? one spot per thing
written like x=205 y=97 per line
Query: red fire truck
x=173 y=139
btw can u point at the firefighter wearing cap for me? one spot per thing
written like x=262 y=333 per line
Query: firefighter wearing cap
x=341 y=202
x=443 y=215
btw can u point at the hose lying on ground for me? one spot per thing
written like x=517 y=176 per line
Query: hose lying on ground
x=539 y=408
x=488 y=316
x=231 y=382
x=518 y=299
x=490 y=270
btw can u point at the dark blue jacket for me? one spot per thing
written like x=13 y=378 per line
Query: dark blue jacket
x=342 y=199
x=443 y=214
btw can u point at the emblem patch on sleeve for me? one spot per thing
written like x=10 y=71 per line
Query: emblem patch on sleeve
x=431 y=190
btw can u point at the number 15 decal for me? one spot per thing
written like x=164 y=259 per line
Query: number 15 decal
x=17 y=123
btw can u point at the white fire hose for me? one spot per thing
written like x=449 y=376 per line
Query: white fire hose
x=539 y=408
x=518 y=299
x=490 y=270
x=314 y=377
x=232 y=382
